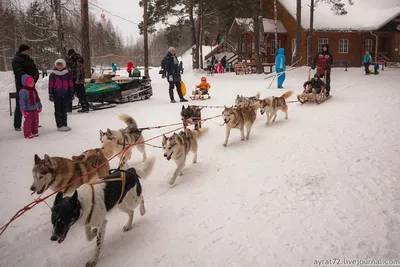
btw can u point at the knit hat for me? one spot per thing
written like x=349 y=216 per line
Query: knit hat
x=171 y=48
x=23 y=48
x=26 y=79
x=71 y=51
x=60 y=60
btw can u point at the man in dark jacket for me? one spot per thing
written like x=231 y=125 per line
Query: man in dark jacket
x=22 y=64
x=324 y=61
x=173 y=74
x=223 y=63
x=77 y=72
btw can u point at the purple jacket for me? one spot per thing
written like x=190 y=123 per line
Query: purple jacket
x=60 y=83
x=24 y=102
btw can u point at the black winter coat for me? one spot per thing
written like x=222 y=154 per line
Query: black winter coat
x=316 y=84
x=23 y=64
x=172 y=67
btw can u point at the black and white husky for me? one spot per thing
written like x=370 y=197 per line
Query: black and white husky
x=91 y=202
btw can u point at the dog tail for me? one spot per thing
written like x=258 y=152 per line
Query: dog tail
x=199 y=133
x=130 y=122
x=258 y=95
x=147 y=168
x=287 y=94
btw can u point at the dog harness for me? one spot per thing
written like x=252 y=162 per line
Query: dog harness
x=100 y=181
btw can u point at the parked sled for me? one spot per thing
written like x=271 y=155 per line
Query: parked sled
x=319 y=98
x=107 y=92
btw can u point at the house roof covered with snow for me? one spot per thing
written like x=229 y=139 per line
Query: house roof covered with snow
x=247 y=25
x=364 y=15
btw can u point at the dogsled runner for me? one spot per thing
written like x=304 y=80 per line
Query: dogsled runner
x=107 y=92
x=319 y=98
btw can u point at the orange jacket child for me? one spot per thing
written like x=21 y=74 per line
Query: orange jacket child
x=203 y=87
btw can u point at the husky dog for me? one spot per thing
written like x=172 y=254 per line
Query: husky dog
x=271 y=105
x=118 y=140
x=190 y=115
x=91 y=202
x=238 y=118
x=177 y=147
x=242 y=101
x=57 y=172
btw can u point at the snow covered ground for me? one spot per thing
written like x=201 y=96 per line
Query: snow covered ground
x=322 y=184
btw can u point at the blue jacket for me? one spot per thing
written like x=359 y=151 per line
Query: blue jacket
x=23 y=94
x=280 y=60
x=367 y=58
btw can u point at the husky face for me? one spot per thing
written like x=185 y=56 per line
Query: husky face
x=228 y=114
x=65 y=212
x=107 y=136
x=265 y=104
x=171 y=145
x=43 y=173
x=190 y=114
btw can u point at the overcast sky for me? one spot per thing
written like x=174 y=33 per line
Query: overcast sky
x=128 y=9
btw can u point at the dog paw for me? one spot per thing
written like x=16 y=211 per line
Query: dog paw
x=91 y=263
x=172 y=181
x=241 y=139
x=126 y=228
x=181 y=174
x=225 y=145
x=142 y=211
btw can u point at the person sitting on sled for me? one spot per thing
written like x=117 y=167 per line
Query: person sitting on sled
x=202 y=88
x=316 y=84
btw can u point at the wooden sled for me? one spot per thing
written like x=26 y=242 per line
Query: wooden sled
x=319 y=98
x=200 y=97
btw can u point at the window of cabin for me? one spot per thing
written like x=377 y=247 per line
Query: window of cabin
x=274 y=47
x=321 y=42
x=343 y=46
x=369 y=43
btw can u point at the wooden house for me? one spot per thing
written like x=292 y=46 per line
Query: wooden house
x=365 y=27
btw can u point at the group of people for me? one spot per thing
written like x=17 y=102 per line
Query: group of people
x=66 y=79
x=322 y=62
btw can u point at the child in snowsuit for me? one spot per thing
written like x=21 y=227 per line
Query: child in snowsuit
x=202 y=88
x=367 y=62
x=61 y=92
x=376 y=68
x=280 y=67
x=316 y=84
x=30 y=106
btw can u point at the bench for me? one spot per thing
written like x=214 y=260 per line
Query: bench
x=12 y=95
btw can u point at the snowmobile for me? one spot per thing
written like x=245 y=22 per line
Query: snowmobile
x=319 y=98
x=107 y=92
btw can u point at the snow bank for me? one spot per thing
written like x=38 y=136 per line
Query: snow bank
x=363 y=15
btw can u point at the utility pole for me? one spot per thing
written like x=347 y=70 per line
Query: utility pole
x=85 y=36
x=311 y=35
x=145 y=35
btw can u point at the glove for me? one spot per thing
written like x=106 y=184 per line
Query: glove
x=39 y=110
x=313 y=67
x=170 y=78
x=72 y=97
x=25 y=113
x=51 y=97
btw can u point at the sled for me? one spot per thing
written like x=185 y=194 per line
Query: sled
x=183 y=88
x=200 y=97
x=107 y=92
x=319 y=98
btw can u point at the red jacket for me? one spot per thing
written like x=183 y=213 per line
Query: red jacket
x=323 y=61
x=129 y=66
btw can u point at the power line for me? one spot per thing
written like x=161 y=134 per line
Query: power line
x=113 y=14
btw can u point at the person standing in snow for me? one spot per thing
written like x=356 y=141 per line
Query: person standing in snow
x=114 y=67
x=129 y=67
x=367 y=62
x=324 y=61
x=22 y=64
x=75 y=64
x=61 y=93
x=280 y=67
x=44 y=69
x=181 y=66
x=223 y=63
x=173 y=74
x=30 y=105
